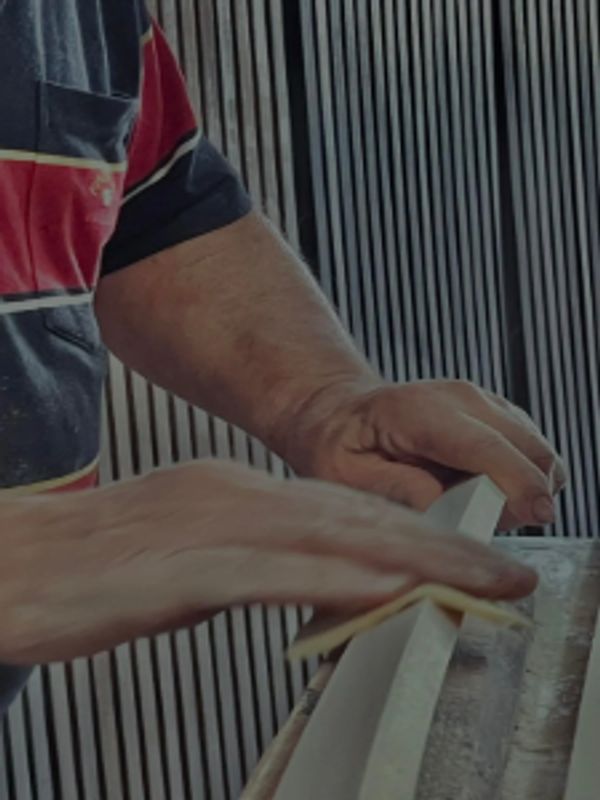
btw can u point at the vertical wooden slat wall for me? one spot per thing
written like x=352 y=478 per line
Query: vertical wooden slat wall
x=405 y=181
x=455 y=166
x=550 y=54
x=449 y=168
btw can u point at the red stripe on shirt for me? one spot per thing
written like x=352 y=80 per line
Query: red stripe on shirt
x=56 y=222
x=166 y=115
x=87 y=482
x=16 y=270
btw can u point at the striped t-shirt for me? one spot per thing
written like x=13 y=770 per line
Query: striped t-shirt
x=101 y=165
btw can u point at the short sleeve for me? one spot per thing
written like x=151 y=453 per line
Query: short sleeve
x=178 y=186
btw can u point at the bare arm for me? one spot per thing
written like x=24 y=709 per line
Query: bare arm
x=233 y=322
x=83 y=572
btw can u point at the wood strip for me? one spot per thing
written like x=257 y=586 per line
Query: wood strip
x=361 y=715
x=423 y=194
x=394 y=763
x=352 y=167
x=19 y=756
x=226 y=688
x=387 y=279
x=150 y=721
x=244 y=686
x=259 y=644
x=169 y=718
x=211 y=726
x=4 y=790
x=373 y=186
x=584 y=772
x=438 y=201
x=195 y=750
x=64 y=733
x=270 y=770
x=128 y=717
x=471 y=135
x=39 y=738
x=107 y=729
x=465 y=233
x=397 y=752
x=330 y=174
x=86 y=738
x=455 y=264
x=563 y=355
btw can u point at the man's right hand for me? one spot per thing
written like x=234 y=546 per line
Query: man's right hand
x=84 y=572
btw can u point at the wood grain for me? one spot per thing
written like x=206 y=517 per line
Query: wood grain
x=367 y=736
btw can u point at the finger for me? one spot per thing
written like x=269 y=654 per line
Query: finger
x=241 y=576
x=557 y=471
x=456 y=561
x=384 y=536
x=466 y=443
x=522 y=432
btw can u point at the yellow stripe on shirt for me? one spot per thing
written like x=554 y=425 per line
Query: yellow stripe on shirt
x=62 y=161
x=51 y=484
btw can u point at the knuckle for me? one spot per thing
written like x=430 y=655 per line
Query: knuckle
x=466 y=388
x=546 y=461
x=424 y=441
x=500 y=401
x=487 y=443
x=524 y=418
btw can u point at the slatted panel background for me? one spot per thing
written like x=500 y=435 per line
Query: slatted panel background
x=405 y=181
x=452 y=148
x=455 y=165
x=551 y=55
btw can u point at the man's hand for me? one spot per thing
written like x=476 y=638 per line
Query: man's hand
x=410 y=443
x=85 y=572
x=239 y=328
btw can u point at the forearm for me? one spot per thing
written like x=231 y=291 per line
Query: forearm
x=232 y=322
x=86 y=571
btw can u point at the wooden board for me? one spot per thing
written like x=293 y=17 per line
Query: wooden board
x=505 y=722
x=272 y=765
x=583 y=782
x=368 y=733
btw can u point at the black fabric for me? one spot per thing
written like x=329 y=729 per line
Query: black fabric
x=199 y=194
x=52 y=368
x=12 y=681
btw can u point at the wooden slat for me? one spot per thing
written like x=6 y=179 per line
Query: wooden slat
x=19 y=755
x=548 y=60
x=38 y=738
x=367 y=735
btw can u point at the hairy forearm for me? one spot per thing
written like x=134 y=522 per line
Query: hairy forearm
x=86 y=571
x=232 y=322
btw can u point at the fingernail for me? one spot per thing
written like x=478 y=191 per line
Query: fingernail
x=543 y=508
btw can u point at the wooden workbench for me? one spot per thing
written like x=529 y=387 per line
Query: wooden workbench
x=505 y=722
